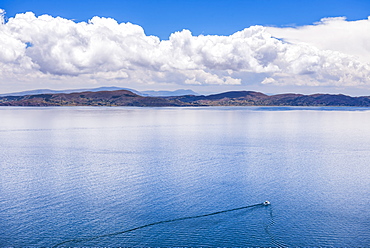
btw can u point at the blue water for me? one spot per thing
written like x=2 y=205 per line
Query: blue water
x=80 y=176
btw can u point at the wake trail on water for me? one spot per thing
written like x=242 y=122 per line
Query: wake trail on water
x=156 y=223
x=275 y=242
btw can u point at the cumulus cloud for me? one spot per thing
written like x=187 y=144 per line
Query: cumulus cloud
x=46 y=47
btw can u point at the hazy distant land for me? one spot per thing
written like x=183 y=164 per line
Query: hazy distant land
x=130 y=98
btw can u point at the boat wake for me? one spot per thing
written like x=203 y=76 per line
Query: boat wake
x=157 y=223
x=274 y=241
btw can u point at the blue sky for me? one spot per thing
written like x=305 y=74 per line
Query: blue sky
x=317 y=46
x=220 y=17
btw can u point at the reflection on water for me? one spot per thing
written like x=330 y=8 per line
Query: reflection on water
x=76 y=173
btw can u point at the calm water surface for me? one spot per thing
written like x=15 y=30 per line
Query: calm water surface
x=71 y=176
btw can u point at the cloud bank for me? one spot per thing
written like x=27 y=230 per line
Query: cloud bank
x=337 y=34
x=333 y=52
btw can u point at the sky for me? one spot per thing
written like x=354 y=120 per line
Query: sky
x=317 y=46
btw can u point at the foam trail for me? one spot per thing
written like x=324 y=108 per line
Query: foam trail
x=153 y=224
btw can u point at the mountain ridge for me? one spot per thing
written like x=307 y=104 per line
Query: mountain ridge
x=230 y=98
x=104 y=88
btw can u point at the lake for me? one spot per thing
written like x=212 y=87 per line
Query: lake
x=122 y=176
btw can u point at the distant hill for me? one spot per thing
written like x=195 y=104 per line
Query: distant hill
x=169 y=93
x=251 y=98
x=179 y=92
x=89 y=98
x=48 y=91
x=232 y=98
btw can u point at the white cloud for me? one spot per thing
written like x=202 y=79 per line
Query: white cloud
x=337 y=34
x=44 y=47
x=268 y=80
